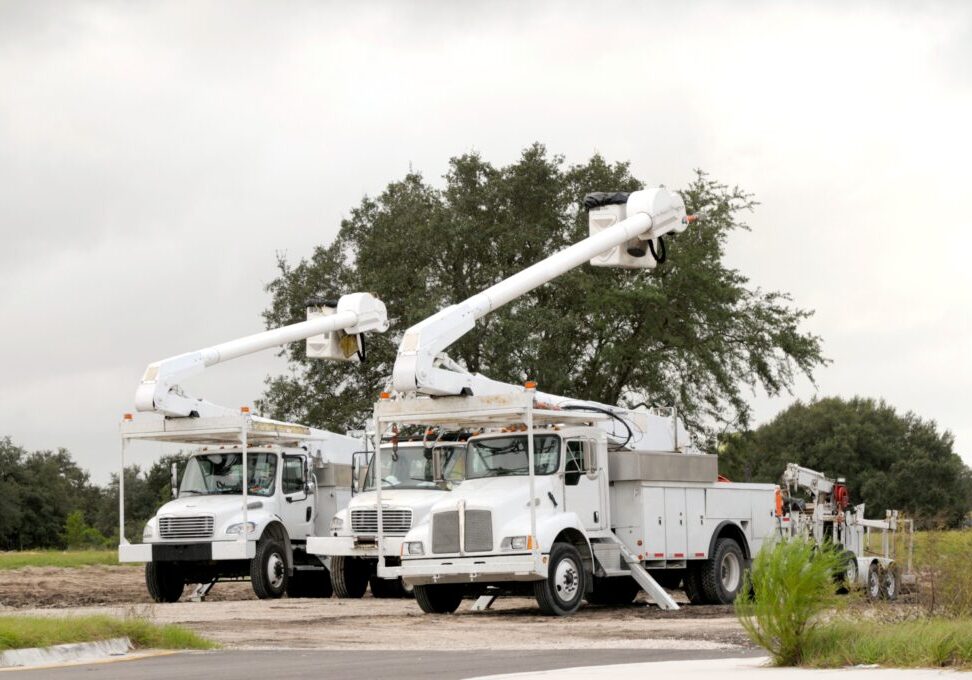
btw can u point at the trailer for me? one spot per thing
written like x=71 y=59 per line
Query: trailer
x=869 y=546
x=254 y=489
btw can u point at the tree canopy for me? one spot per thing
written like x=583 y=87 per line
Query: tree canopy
x=890 y=461
x=692 y=333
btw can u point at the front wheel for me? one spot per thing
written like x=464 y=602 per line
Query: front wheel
x=443 y=598
x=560 y=594
x=165 y=581
x=268 y=570
x=349 y=576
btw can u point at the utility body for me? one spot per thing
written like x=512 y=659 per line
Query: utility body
x=565 y=498
x=253 y=489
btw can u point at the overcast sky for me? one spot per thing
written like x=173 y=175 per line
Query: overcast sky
x=154 y=158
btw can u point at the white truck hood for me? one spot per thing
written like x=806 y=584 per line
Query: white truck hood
x=211 y=505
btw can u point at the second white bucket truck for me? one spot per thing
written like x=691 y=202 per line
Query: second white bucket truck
x=573 y=500
x=253 y=489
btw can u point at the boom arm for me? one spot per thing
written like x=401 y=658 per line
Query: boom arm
x=159 y=391
x=420 y=365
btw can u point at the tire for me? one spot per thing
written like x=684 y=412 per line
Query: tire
x=614 y=590
x=890 y=584
x=310 y=583
x=722 y=574
x=561 y=593
x=847 y=578
x=442 y=598
x=268 y=570
x=692 y=584
x=349 y=576
x=165 y=581
x=873 y=582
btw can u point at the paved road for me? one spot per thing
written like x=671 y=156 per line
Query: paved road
x=358 y=665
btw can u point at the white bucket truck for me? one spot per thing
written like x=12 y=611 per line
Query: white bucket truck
x=253 y=489
x=409 y=490
x=575 y=500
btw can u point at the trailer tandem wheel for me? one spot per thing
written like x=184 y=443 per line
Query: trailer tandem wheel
x=165 y=581
x=439 y=598
x=563 y=590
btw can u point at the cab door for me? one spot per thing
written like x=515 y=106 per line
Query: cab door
x=582 y=482
x=297 y=504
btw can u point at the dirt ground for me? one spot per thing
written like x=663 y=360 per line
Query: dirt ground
x=233 y=617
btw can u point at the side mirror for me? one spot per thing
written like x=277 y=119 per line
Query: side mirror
x=174 y=480
x=590 y=458
x=438 y=476
x=359 y=465
x=309 y=487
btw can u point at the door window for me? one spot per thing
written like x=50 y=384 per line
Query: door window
x=574 y=462
x=293 y=475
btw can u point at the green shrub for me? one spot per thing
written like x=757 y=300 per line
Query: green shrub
x=790 y=584
x=79 y=535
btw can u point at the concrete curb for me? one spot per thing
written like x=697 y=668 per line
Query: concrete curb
x=57 y=654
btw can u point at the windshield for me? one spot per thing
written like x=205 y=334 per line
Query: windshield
x=411 y=468
x=499 y=456
x=220 y=473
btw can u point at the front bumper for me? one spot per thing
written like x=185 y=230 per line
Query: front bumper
x=483 y=569
x=186 y=552
x=330 y=546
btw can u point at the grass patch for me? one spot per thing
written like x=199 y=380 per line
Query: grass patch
x=19 y=632
x=791 y=583
x=57 y=558
x=923 y=643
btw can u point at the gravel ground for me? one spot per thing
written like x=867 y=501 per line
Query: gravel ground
x=234 y=618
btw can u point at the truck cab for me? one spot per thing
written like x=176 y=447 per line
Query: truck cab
x=217 y=527
x=409 y=489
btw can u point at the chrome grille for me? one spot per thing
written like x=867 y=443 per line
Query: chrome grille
x=394 y=522
x=445 y=532
x=186 y=527
x=478 y=535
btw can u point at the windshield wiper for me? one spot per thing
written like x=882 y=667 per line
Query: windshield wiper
x=196 y=491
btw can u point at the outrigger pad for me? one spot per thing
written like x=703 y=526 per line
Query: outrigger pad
x=599 y=198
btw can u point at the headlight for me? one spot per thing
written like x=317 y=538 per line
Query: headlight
x=337 y=523
x=517 y=543
x=148 y=532
x=414 y=548
x=238 y=528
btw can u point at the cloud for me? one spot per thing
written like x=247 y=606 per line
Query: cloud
x=154 y=158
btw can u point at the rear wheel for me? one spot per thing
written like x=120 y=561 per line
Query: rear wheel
x=722 y=574
x=692 y=583
x=562 y=591
x=614 y=590
x=165 y=581
x=268 y=570
x=848 y=577
x=349 y=576
x=442 y=598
